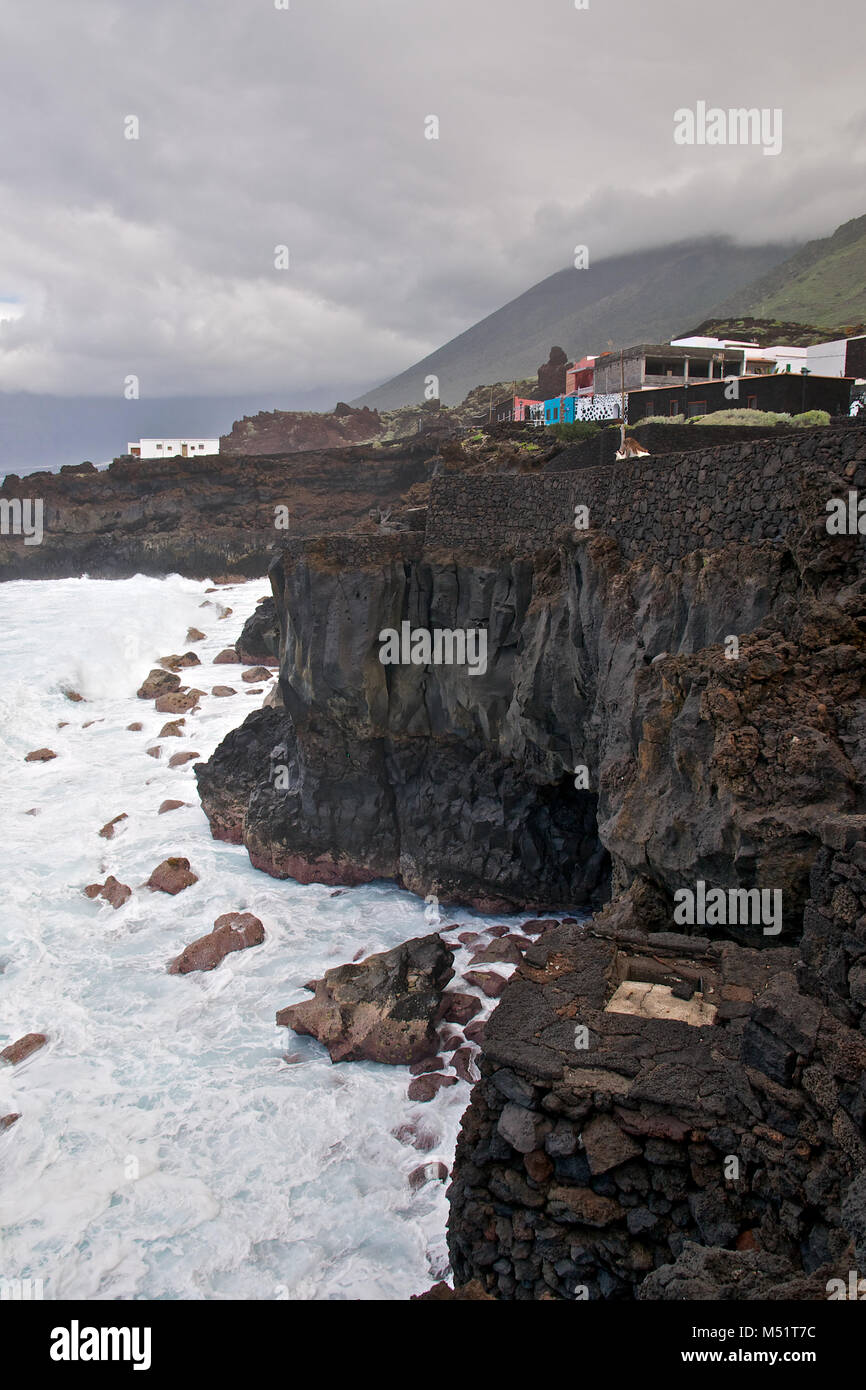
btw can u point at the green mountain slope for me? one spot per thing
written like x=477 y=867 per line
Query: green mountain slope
x=824 y=283
x=641 y=297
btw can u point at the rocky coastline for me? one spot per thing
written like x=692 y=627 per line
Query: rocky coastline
x=698 y=651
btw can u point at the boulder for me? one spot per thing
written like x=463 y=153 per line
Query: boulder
x=227 y=657
x=171 y=876
x=223 y=690
x=177 y=702
x=22 y=1049
x=154 y=752
x=256 y=673
x=178 y=759
x=170 y=806
x=107 y=831
x=425 y=1088
x=177 y=663
x=7 y=1121
x=158 y=683
x=428 y=1172
x=260 y=638
x=193 y=635
x=172 y=729
x=383 y=1009
x=488 y=981
x=135 y=728
x=111 y=890
x=233 y=931
x=40 y=755
x=460 y=1008
x=74 y=696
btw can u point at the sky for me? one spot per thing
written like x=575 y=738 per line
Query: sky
x=304 y=127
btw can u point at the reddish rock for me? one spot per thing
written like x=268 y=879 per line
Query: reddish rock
x=384 y=1009
x=747 y=1240
x=135 y=728
x=460 y=1008
x=474 y=1032
x=178 y=702
x=193 y=635
x=154 y=752
x=34 y=811
x=487 y=981
x=87 y=723
x=588 y=1207
x=427 y=1064
x=257 y=673
x=450 y=1041
x=22 y=1049
x=223 y=690
x=172 y=729
x=463 y=1065
x=424 y=1088
x=178 y=759
x=469 y=938
x=170 y=806
x=257 y=691
x=177 y=663
x=538 y=1166
x=228 y=657
x=107 y=831
x=64 y=724
x=7 y=1121
x=171 y=876
x=159 y=682
x=416 y=1135
x=40 y=755
x=606 y=1145
x=74 y=696
x=226 y=613
x=111 y=890
x=233 y=931
x=503 y=950
x=428 y=1172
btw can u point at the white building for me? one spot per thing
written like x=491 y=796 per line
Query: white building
x=172 y=448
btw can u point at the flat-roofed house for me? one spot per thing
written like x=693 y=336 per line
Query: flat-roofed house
x=175 y=447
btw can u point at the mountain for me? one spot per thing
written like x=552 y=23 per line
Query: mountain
x=644 y=296
x=824 y=283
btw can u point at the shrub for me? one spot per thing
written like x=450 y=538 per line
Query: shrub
x=659 y=420
x=741 y=417
x=812 y=417
x=573 y=432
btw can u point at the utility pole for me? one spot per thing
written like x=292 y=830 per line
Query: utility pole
x=622 y=399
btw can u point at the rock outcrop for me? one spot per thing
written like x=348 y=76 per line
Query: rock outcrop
x=384 y=1009
x=233 y=931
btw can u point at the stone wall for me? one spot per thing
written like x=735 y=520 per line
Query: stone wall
x=707 y=1145
x=666 y=506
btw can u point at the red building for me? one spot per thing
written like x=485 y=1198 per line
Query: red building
x=579 y=377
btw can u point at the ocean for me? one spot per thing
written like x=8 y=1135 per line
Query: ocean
x=167 y=1149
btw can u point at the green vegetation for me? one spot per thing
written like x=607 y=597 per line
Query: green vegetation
x=824 y=283
x=742 y=417
x=812 y=417
x=576 y=431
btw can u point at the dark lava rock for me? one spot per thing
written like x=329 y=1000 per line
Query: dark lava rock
x=384 y=1009
x=260 y=637
x=708 y=1274
x=427 y=1172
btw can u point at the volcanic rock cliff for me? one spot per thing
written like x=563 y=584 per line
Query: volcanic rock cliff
x=199 y=517
x=673 y=694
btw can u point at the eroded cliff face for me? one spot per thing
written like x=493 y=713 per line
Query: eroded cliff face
x=700 y=766
x=664 y=1110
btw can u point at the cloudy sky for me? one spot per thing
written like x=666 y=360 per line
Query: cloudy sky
x=305 y=127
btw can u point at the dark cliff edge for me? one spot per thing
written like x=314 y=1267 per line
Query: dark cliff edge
x=710 y=1144
x=200 y=517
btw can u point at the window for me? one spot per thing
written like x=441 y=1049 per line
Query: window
x=751 y=402
x=697 y=408
x=159 y=446
x=674 y=407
